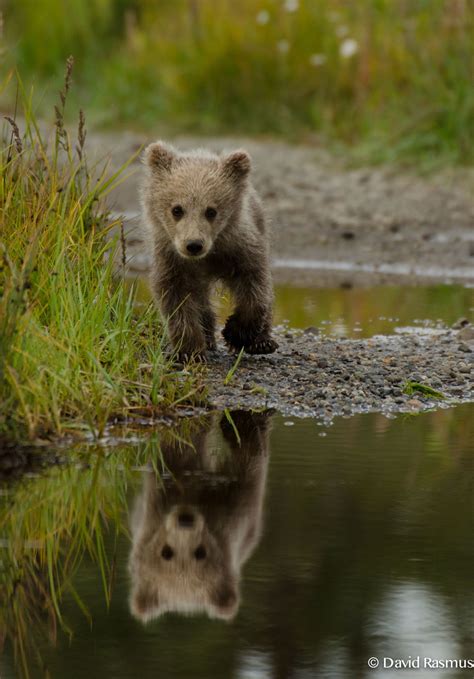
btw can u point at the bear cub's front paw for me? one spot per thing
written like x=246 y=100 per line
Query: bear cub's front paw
x=237 y=336
x=262 y=345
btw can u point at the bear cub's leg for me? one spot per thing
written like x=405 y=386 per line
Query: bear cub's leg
x=189 y=317
x=208 y=322
x=249 y=327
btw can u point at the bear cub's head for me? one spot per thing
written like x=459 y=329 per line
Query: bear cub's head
x=193 y=195
x=183 y=563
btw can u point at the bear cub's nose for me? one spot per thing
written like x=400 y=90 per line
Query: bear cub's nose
x=186 y=520
x=194 y=247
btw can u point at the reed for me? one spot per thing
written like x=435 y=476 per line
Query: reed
x=75 y=350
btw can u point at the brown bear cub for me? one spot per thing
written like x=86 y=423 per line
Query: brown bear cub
x=194 y=527
x=207 y=224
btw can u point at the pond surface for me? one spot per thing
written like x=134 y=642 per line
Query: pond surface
x=273 y=548
x=363 y=312
x=359 y=311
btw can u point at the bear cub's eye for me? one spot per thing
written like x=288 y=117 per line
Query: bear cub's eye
x=167 y=553
x=200 y=553
x=177 y=211
x=210 y=213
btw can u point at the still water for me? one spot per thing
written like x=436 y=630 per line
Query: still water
x=363 y=312
x=245 y=546
x=359 y=312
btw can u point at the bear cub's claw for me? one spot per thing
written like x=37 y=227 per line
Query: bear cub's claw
x=265 y=345
x=236 y=337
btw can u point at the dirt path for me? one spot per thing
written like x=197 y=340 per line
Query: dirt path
x=333 y=224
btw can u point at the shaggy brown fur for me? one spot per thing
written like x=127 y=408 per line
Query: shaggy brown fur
x=192 y=533
x=207 y=224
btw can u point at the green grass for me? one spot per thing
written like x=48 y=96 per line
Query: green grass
x=404 y=94
x=412 y=388
x=229 y=377
x=74 y=350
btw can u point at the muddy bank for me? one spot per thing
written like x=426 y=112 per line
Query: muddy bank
x=315 y=376
x=17 y=460
x=360 y=225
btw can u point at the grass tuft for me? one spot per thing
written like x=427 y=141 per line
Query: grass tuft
x=229 y=377
x=73 y=347
x=411 y=388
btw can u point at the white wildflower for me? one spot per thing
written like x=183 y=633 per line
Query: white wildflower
x=291 y=5
x=317 y=59
x=348 y=48
x=283 y=46
x=342 y=31
x=262 y=17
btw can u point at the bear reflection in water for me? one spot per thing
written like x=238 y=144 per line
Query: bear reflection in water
x=195 y=526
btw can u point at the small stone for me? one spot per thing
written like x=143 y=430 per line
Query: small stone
x=311 y=330
x=460 y=323
x=466 y=334
x=414 y=403
x=465 y=348
x=394 y=379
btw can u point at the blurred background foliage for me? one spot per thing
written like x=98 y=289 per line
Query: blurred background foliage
x=392 y=79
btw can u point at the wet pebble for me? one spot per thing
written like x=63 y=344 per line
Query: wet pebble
x=465 y=348
x=466 y=334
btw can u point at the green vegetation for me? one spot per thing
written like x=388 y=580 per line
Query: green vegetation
x=390 y=79
x=424 y=389
x=231 y=373
x=74 y=351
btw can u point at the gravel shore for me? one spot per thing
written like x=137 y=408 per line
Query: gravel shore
x=316 y=376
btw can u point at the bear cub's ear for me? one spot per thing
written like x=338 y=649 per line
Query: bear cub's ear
x=237 y=164
x=159 y=156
